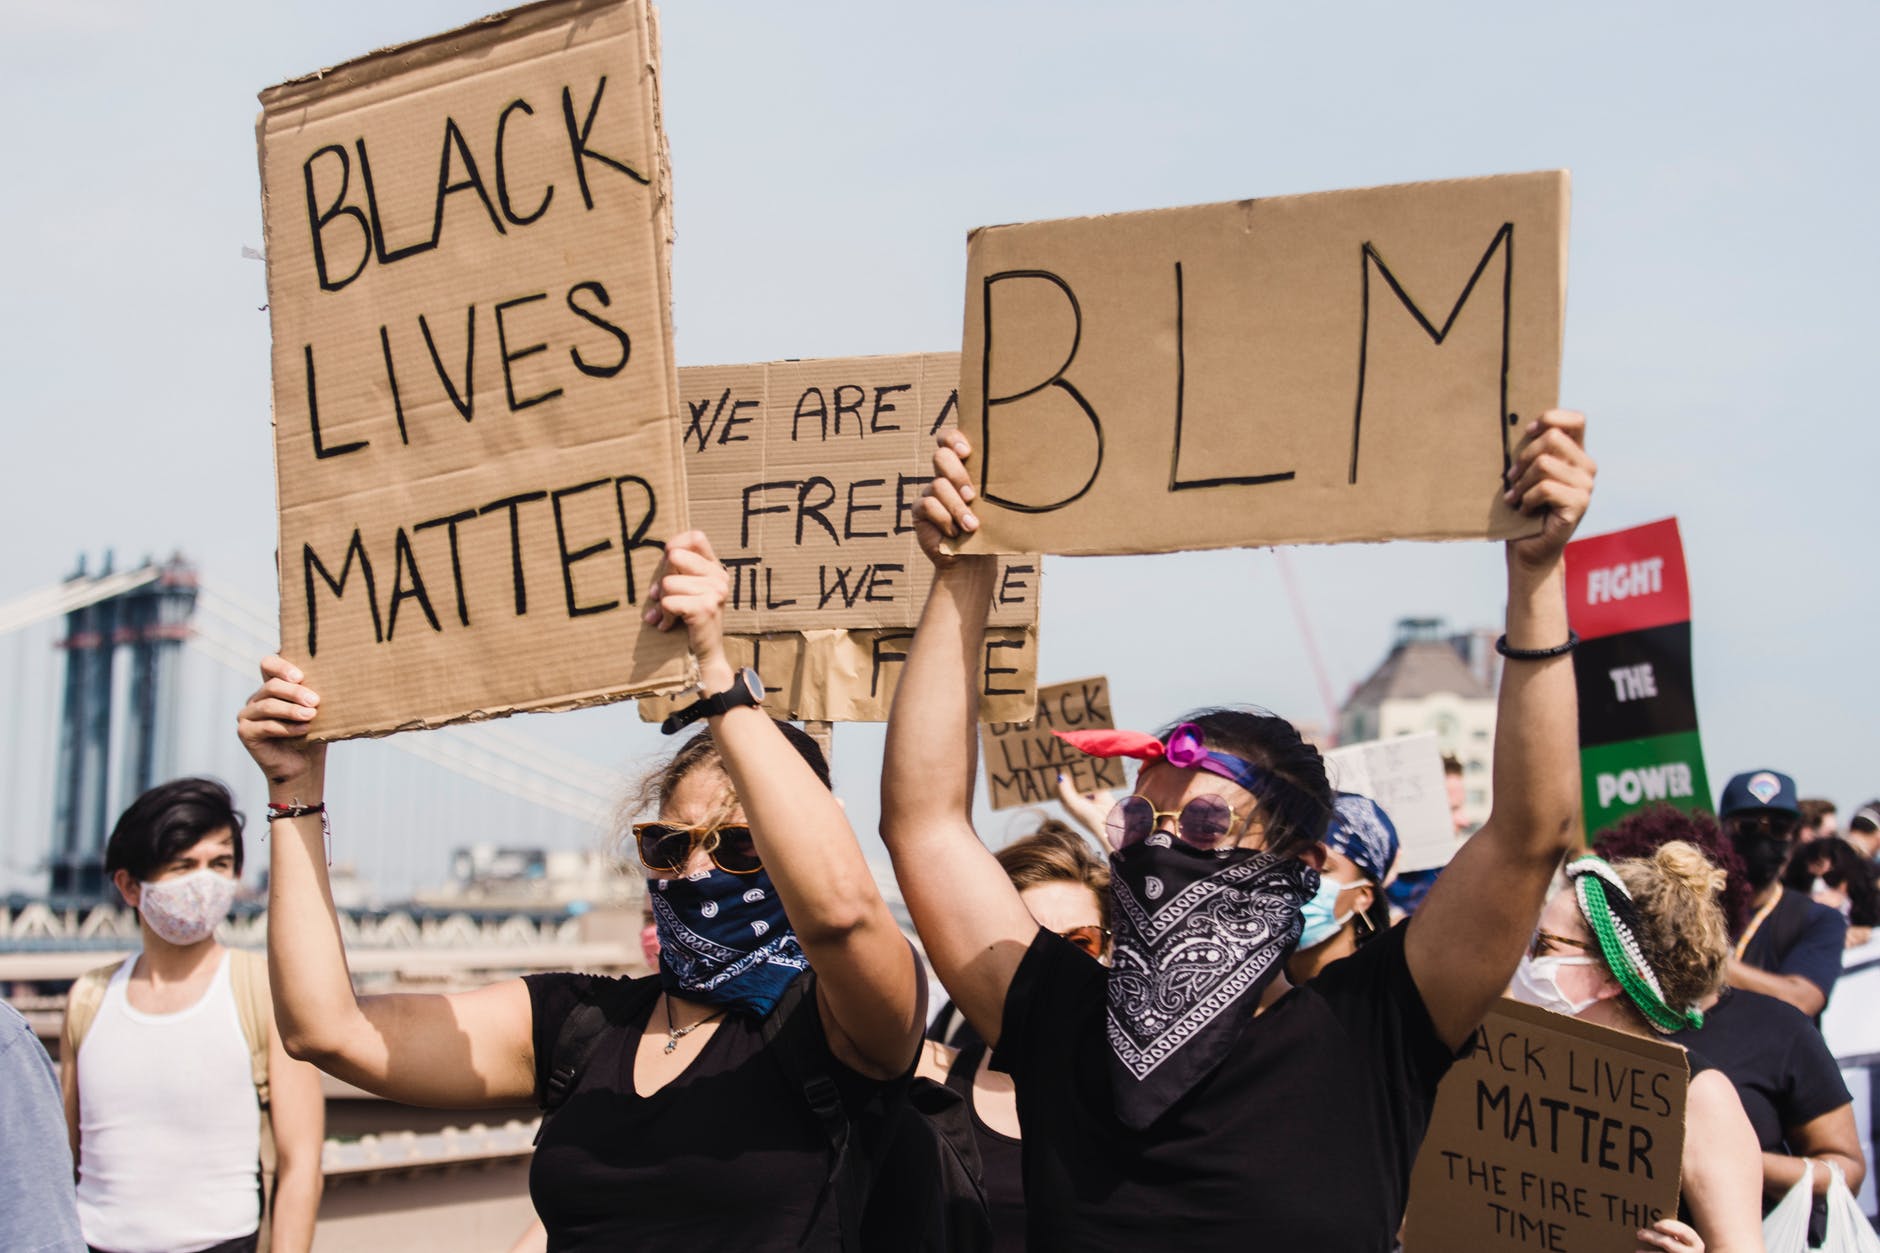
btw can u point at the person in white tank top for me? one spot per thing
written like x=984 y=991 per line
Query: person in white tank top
x=160 y=1091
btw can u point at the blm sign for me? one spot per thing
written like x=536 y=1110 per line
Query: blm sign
x=1629 y=598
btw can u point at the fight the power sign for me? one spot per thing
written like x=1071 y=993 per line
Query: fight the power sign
x=1355 y=365
x=1629 y=599
x=475 y=401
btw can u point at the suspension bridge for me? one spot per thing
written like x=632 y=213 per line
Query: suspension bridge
x=115 y=680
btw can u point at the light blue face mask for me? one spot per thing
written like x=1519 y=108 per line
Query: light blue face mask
x=1322 y=919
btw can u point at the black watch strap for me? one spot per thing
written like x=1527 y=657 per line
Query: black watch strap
x=746 y=689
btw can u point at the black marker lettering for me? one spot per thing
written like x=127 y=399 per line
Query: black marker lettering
x=633 y=535
x=852 y=408
x=449 y=523
x=502 y=173
x=620 y=336
x=1057 y=380
x=986 y=687
x=884 y=656
x=320 y=450
x=874 y=419
x=311 y=563
x=848 y=517
x=378 y=227
x=569 y=559
x=758 y=489
x=806 y=510
x=404 y=560
x=578 y=142
x=820 y=413
x=513 y=505
x=502 y=351
x=1175 y=481
x=473 y=181
x=391 y=380
x=466 y=401
x=318 y=219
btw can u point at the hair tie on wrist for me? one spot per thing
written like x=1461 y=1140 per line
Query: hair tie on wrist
x=1537 y=654
x=307 y=811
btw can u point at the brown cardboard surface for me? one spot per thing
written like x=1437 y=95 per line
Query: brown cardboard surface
x=805 y=475
x=1023 y=759
x=1552 y=1134
x=468 y=278
x=1350 y=365
x=849 y=676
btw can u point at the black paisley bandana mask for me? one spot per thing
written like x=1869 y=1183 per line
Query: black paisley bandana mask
x=1198 y=938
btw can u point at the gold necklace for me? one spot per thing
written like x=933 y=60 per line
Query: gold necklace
x=676 y=1034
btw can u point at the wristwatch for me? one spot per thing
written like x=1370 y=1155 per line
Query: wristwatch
x=746 y=689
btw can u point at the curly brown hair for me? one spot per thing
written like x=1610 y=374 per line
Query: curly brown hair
x=1684 y=936
x=1055 y=853
x=1642 y=834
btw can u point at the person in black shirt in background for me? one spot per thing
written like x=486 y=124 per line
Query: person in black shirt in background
x=1835 y=874
x=1066 y=887
x=1789 y=1084
x=679 y=1132
x=1791 y=947
x=1656 y=920
x=1218 y=1107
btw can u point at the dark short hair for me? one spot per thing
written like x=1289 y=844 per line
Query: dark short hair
x=168 y=820
x=1296 y=798
x=1814 y=809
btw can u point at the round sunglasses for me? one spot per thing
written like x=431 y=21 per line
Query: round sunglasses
x=667 y=848
x=1207 y=822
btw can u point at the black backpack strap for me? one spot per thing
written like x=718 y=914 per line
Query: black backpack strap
x=787 y=1041
x=580 y=1032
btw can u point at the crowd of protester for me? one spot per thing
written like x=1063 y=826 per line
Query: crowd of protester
x=1220 y=1023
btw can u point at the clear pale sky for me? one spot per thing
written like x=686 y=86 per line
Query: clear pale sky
x=829 y=160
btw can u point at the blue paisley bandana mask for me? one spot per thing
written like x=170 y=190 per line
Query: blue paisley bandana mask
x=1198 y=938
x=724 y=940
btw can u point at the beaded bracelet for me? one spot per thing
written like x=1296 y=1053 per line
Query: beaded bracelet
x=1537 y=654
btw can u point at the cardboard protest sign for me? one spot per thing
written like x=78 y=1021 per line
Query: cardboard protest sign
x=475 y=401
x=1404 y=775
x=1551 y=1134
x=1024 y=759
x=1353 y=365
x=850 y=676
x=1629 y=598
x=805 y=475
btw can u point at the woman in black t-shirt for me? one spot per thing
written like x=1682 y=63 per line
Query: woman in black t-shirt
x=1638 y=945
x=1187 y=1096
x=1065 y=886
x=684 y=1129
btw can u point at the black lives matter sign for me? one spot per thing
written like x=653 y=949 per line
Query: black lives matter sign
x=475 y=400
x=1024 y=759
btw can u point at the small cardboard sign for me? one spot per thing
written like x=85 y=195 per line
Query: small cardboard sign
x=1404 y=775
x=1551 y=1134
x=1024 y=759
x=475 y=401
x=850 y=676
x=1353 y=365
x=805 y=474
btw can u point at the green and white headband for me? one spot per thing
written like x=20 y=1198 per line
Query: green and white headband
x=1608 y=909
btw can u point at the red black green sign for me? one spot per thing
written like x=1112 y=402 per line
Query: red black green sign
x=1629 y=599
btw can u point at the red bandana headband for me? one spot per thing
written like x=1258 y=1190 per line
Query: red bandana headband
x=1183 y=748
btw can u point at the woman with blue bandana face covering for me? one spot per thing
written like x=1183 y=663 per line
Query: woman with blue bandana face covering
x=1177 y=1098
x=688 y=1109
x=1349 y=909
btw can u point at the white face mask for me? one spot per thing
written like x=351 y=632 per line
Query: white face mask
x=186 y=910
x=1535 y=983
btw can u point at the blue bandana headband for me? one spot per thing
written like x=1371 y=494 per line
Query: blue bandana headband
x=1363 y=832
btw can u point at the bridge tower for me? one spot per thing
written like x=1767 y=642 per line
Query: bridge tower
x=109 y=729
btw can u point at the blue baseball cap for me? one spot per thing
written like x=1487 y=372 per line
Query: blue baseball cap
x=1362 y=831
x=1758 y=789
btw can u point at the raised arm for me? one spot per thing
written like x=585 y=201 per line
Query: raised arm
x=463 y=1050
x=1464 y=943
x=870 y=988
x=970 y=917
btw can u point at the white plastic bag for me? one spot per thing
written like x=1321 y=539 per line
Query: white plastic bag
x=1848 y=1228
x=1785 y=1228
